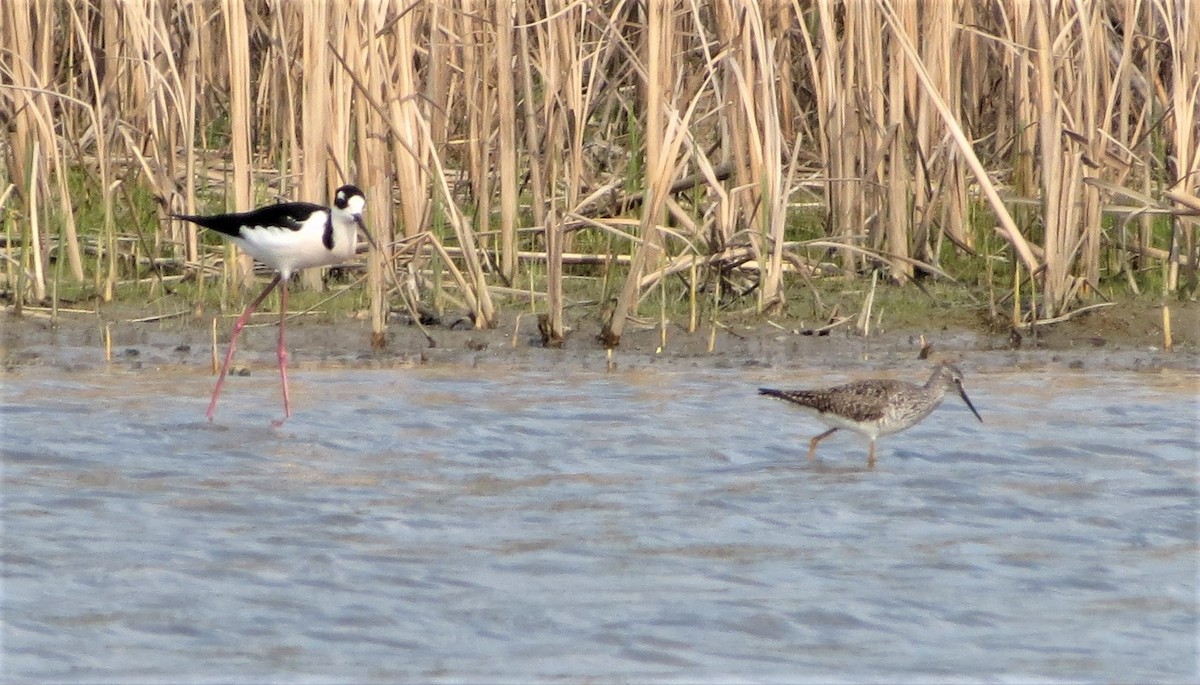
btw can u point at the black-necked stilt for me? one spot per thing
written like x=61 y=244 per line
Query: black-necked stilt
x=876 y=407
x=287 y=237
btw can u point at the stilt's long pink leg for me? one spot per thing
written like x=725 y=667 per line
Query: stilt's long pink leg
x=283 y=355
x=237 y=329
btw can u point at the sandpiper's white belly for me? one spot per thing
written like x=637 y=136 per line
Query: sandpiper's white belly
x=834 y=420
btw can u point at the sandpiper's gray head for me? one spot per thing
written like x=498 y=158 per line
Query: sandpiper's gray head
x=952 y=377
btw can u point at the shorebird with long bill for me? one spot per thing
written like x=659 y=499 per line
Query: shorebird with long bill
x=876 y=407
x=286 y=237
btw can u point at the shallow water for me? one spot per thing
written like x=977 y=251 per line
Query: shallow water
x=641 y=526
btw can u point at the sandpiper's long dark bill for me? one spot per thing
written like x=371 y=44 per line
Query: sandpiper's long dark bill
x=287 y=237
x=876 y=407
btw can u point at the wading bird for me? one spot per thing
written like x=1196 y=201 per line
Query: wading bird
x=876 y=407
x=287 y=237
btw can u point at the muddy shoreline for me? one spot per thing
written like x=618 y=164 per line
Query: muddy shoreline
x=1126 y=336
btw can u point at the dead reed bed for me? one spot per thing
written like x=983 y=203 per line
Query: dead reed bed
x=716 y=155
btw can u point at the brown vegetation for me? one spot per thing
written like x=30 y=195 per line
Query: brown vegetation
x=499 y=141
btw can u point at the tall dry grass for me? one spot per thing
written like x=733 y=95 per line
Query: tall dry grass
x=503 y=143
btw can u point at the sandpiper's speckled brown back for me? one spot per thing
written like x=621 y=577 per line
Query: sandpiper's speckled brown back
x=860 y=401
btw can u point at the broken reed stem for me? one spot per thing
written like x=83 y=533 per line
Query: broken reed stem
x=216 y=357
x=692 y=298
x=864 y=315
x=712 y=332
x=1166 y=317
x=662 y=316
x=516 y=328
x=34 y=251
x=1016 y=295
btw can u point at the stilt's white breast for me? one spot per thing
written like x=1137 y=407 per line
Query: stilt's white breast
x=290 y=250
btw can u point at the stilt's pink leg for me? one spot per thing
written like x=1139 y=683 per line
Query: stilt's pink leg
x=283 y=355
x=237 y=329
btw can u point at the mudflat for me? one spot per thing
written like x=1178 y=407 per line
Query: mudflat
x=1128 y=335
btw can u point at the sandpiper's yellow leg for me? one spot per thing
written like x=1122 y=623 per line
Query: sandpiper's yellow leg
x=812 y=444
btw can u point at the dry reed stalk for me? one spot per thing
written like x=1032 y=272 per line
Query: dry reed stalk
x=528 y=78
x=1054 y=186
x=374 y=167
x=1007 y=228
x=725 y=207
x=659 y=39
x=555 y=333
x=18 y=75
x=1019 y=125
x=551 y=60
x=751 y=116
x=1182 y=24
x=1060 y=94
x=947 y=47
x=572 y=29
x=412 y=245
x=478 y=100
x=835 y=77
x=774 y=202
x=287 y=111
x=237 y=48
x=339 y=168
x=864 y=40
x=69 y=239
x=1131 y=106
x=171 y=131
x=737 y=207
x=1109 y=100
x=692 y=311
x=902 y=198
x=410 y=146
x=675 y=135
x=665 y=133
x=863 y=322
x=460 y=280
x=442 y=58
x=567 y=57
x=506 y=116
x=147 y=131
x=33 y=134
x=483 y=312
x=1168 y=343
x=33 y=251
x=188 y=107
x=1087 y=96
x=941 y=198
x=317 y=116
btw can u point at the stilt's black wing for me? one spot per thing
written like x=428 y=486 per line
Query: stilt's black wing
x=289 y=215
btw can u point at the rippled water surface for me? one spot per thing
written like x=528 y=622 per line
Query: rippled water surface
x=641 y=526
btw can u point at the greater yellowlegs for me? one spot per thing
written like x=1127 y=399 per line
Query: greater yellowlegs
x=287 y=237
x=876 y=407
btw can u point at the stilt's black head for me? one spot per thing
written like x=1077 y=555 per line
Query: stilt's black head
x=343 y=199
